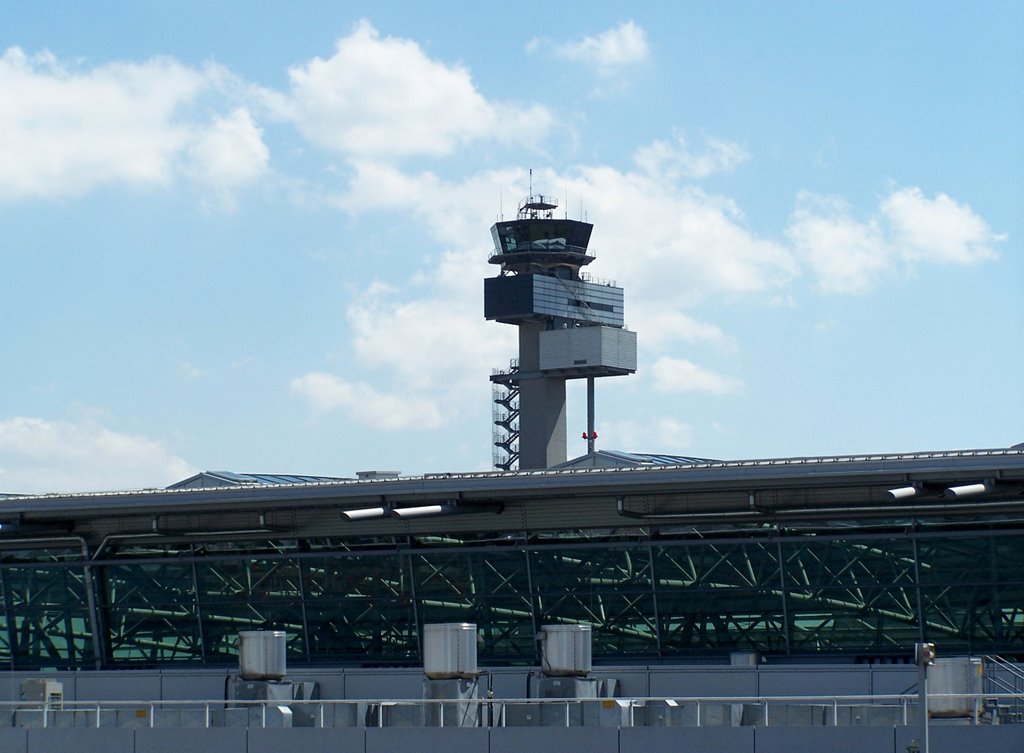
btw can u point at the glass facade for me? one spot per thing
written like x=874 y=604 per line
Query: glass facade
x=650 y=595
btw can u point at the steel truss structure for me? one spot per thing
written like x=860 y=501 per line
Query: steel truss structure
x=667 y=587
x=648 y=597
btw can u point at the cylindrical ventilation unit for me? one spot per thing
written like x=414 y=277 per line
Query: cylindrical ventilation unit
x=449 y=651
x=262 y=654
x=565 y=650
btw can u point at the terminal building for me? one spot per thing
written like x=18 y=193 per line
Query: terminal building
x=848 y=559
x=742 y=605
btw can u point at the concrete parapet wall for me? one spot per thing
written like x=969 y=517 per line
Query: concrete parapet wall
x=998 y=739
x=398 y=684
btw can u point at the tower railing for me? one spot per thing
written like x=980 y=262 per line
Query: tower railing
x=587 y=277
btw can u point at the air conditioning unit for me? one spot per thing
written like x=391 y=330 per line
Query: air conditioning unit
x=49 y=692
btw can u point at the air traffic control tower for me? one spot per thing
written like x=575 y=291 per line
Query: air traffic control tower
x=570 y=327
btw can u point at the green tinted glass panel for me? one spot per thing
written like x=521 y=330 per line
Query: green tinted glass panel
x=607 y=588
x=851 y=563
x=248 y=579
x=50 y=618
x=362 y=629
x=222 y=621
x=717 y=620
x=866 y=618
x=52 y=637
x=154 y=633
x=144 y=583
x=356 y=575
x=718 y=565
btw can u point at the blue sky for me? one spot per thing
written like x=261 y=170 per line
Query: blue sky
x=252 y=237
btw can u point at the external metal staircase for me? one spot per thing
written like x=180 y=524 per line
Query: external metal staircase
x=1004 y=677
x=505 y=394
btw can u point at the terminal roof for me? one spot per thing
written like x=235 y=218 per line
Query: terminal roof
x=230 y=478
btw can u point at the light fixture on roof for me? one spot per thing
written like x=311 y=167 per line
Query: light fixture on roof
x=421 y=511
x=365 y=513
x=968 y=490
x=902 y=492
x=448 y=507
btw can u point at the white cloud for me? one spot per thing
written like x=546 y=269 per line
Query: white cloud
x=188 y=371
x=846 y=256
x=384 y=97
x=66 y=129
x=659 y=329
x=365 y=404
x=230 y=151
x=40 y=456
x=425 y=338
x=676 y=245
x=937 y=230
x=679 y=375
x=609 y=51
x=63 y=131
x=456 y=213
x=429 y=342
x=674 y=160
x=852 y=256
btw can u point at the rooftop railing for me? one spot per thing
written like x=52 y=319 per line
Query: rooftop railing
x=711 y=711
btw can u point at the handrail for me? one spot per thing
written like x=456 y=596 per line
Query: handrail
x=894 y=709
x=1004 y=665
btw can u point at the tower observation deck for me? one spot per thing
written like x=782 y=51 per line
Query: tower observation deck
x=570 y=327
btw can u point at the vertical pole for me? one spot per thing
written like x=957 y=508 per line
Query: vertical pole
x=590 y=415
x=300 y=571
x=654 y=599
x=99 y=633
x=200 y=627
x=405 y=560
x=922 y=687
x=926 y=748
